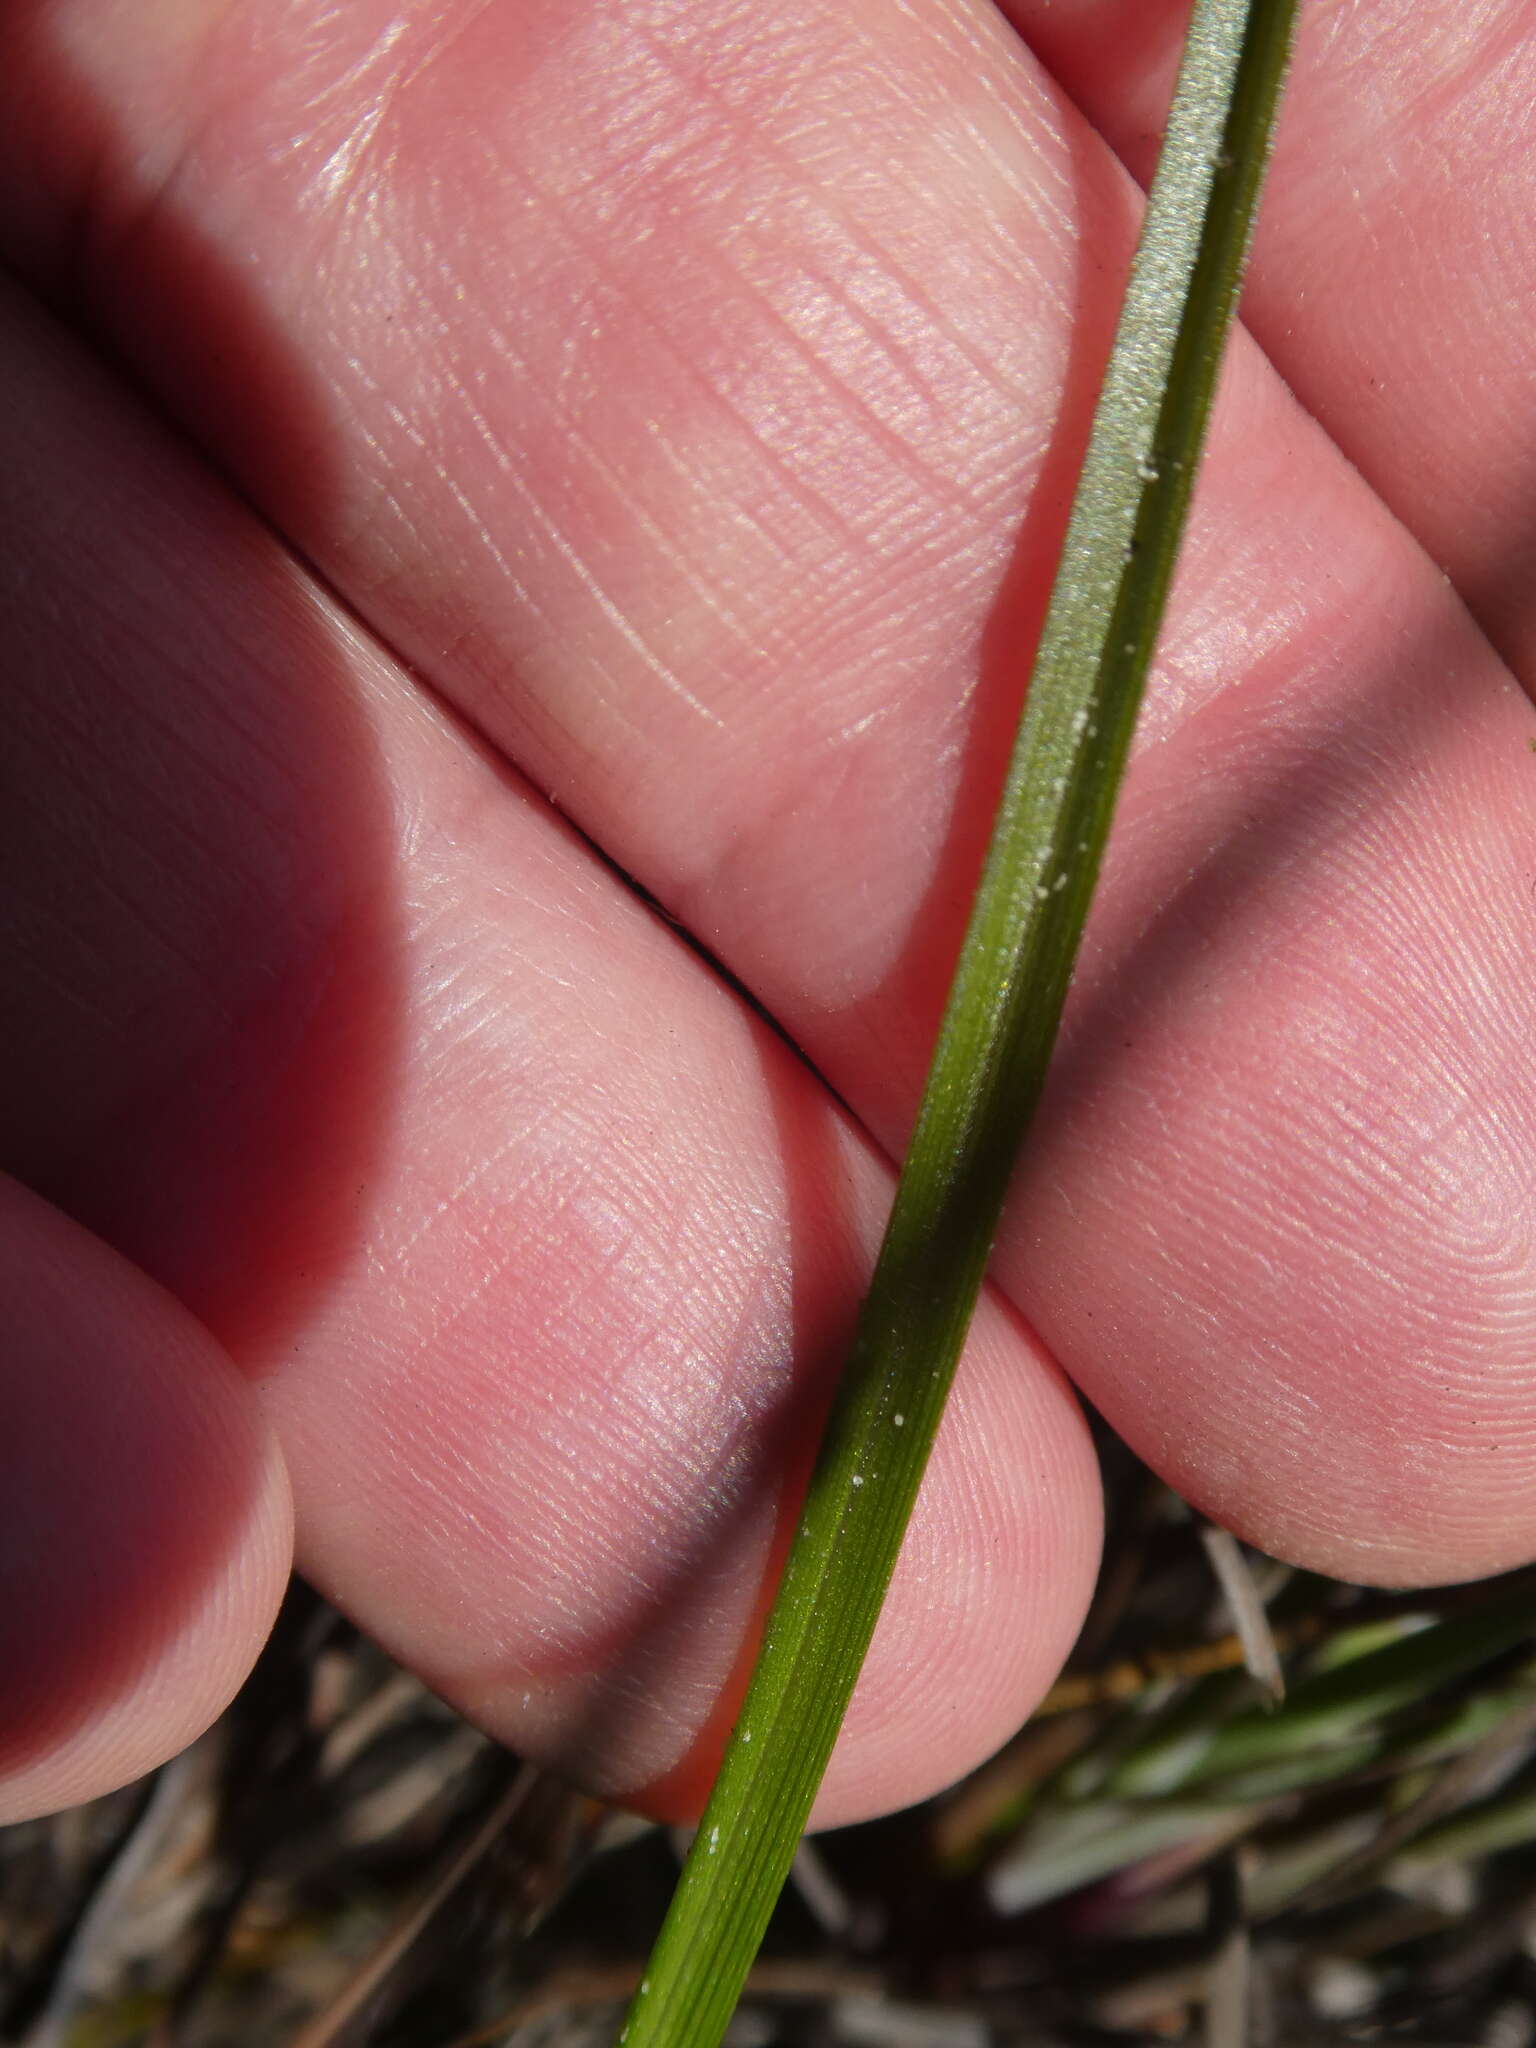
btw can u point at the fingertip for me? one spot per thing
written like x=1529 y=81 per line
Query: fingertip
x=145 y=1520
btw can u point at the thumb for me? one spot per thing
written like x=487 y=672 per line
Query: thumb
x=145 y=1523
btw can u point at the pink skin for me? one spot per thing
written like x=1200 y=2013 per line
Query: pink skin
x=684 y=400
x=147 y=1528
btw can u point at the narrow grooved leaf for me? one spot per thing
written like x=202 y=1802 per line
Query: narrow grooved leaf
x=989 y=1066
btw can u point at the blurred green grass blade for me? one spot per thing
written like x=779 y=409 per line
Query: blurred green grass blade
x=1066 y=1843
x=1466 y=1722
x=1332 y=1722
x=1159 y=1759
x=1420 y=1801
x=1293 y=1771
x=1364 y=1639
x=1506 y=1821
x=989 y=1066
x=1076 y=1846
x=1343 y=1703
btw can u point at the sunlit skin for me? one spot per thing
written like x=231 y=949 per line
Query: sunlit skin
x=465 y=458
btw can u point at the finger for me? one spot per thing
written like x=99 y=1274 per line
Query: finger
x=145 y=1528
x=541 y=1246
x=1394 y=275
x=681 y=433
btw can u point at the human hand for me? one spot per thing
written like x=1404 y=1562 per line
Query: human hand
x=681 y=402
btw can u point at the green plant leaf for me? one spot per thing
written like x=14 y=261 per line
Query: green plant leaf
x=1340 y=1704
x=989 y=1067
x=1335 y=1722
x=1075 y=1845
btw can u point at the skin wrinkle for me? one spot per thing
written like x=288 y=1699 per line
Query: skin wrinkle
x=651 y=527
x=599 y=1588
x=905 y=171
x=1370 y=1165
x=553 y=1221
x=1484 y=58
x=1397 y=1405
x=832 y=277
x=441 y=33
x=806 y=496
x=879 y=260
x=628 y=633
x=335 y=184
x=341 y=171
x=887 y=426
x=514 y=1149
